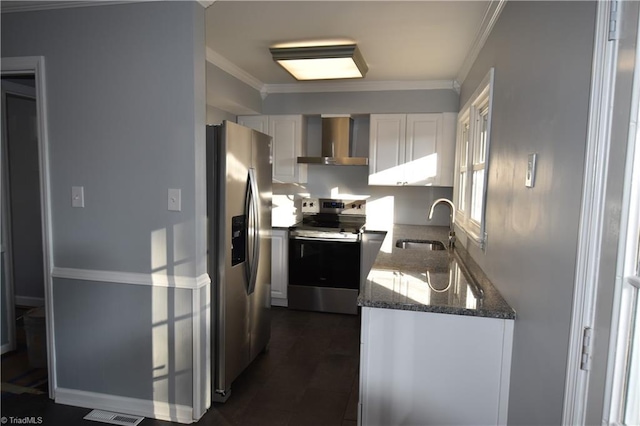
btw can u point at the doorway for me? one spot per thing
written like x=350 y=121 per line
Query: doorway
x=24 y=349
x=28 y=73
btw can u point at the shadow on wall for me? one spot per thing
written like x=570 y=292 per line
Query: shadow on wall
x=386 y=205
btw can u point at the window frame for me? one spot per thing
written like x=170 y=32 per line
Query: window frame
x=479 y=105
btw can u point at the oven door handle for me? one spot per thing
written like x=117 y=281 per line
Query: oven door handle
x=349 y=239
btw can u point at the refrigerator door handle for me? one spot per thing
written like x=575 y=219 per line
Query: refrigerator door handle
x=253 y=206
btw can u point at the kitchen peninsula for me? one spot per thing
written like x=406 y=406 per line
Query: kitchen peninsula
x=436 y=336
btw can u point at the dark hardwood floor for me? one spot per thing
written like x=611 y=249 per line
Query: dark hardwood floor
x=309 y=376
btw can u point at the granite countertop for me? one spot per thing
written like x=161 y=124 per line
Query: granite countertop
x=439 y=281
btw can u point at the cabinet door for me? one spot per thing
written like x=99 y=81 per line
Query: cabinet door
x=279 y=267
x=424 y=136
x=288 y=132
x=387 y=148
x=421 y=367
x=447 y=149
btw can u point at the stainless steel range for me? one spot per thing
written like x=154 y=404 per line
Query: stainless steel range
x=324 y=255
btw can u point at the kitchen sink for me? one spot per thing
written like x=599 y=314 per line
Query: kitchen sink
x=426 y=245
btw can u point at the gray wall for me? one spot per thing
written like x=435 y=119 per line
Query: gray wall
x=227 y=93
x=128 y=340
x=542 y=54
x=121 y=124
x=390 y=101
x=216 y=115
x=126 y=114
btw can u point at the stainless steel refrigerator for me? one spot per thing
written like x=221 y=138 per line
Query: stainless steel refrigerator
x=239 y=249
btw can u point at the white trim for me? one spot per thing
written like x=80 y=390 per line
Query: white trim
x=140 y=407
x=591 y=213
x=136 y=278
x=488 y=22
x=24 y=6
x=29 y=301
x=627 y=283
x=201 y=379
x=483 y=94
x=225 y=65
x=276 y=301
x=359 y=86
x=6 y=348
x=36 y=65
x=505 y=371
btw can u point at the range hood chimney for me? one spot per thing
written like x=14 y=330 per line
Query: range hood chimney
x=337 y=143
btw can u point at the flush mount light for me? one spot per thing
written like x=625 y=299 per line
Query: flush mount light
x=321 y=62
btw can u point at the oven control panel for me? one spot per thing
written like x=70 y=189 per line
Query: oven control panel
x=330 y=205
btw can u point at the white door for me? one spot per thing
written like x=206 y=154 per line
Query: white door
x=387 y=149
x=603 y=377
x=617 y=399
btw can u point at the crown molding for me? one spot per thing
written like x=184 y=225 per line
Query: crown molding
x=230 y=68
x=358 y=86
x=488 y=21
x=25 y=6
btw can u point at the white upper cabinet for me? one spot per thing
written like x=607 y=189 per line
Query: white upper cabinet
x=412 y=149
x=289 y=143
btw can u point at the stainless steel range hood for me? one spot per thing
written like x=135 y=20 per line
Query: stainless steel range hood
x=337 y=147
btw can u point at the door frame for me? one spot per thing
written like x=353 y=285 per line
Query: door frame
x=35 y=65
x=594 y=308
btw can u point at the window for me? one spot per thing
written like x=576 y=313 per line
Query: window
x=472 y=148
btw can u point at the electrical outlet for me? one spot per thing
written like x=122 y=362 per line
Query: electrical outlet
x=77 y=196
x=174 y=201
x=530 y=178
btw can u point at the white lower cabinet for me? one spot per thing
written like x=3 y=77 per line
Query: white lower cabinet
x=279 y=266
x=423 y=368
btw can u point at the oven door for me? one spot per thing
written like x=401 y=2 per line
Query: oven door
x=318 y=262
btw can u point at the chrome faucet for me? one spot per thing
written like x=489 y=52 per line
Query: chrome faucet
x=452 y=217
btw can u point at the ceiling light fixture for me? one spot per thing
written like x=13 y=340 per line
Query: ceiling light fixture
x=321 y=62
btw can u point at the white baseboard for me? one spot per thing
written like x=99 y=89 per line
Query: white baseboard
x=279 y=302
x=29 y=301
x=7 y=347
x=134 y=406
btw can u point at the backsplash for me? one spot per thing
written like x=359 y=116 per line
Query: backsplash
x=386 y=205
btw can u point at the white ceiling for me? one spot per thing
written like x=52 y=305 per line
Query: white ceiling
x=406 y=44
x=401 y=41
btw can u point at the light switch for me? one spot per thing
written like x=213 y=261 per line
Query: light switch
x=530 y=179
x=175 y=204
x=77 y=196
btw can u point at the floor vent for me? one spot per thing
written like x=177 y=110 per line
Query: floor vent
x=113 y=418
